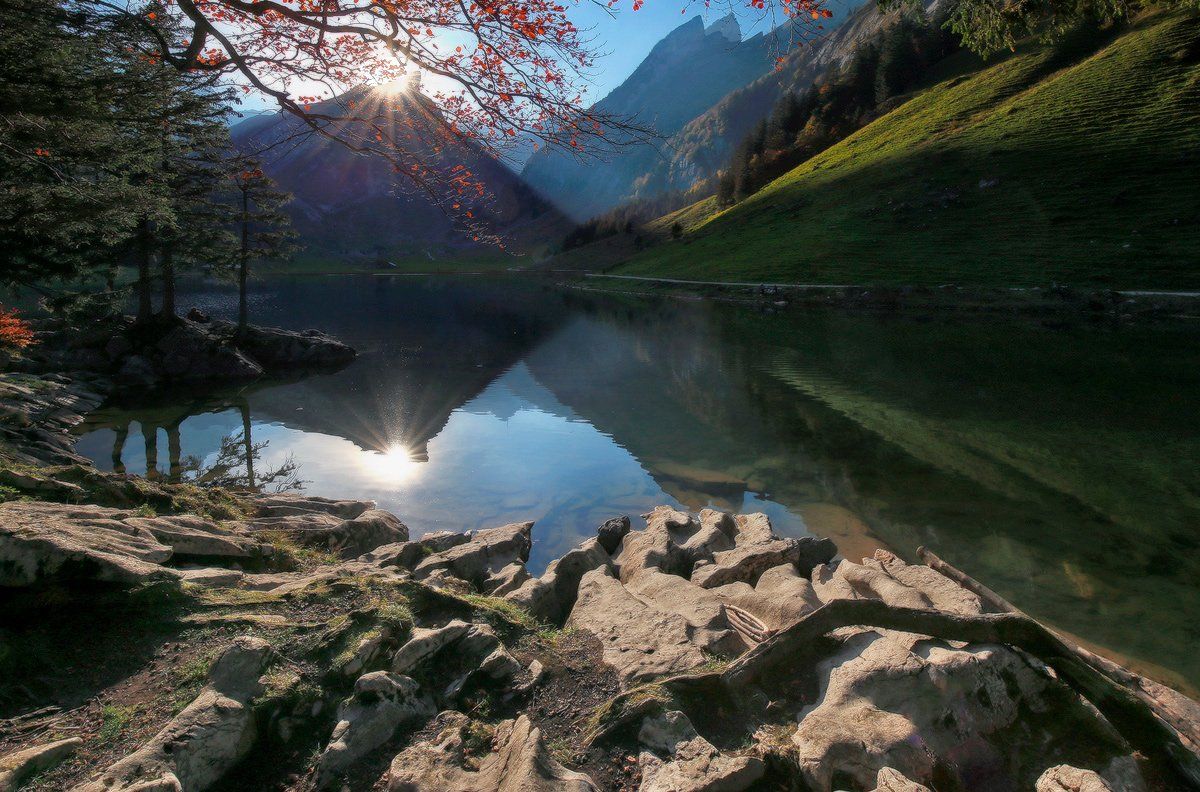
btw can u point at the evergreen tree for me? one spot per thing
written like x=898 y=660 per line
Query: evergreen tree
x=66 y=153
x=263 y=229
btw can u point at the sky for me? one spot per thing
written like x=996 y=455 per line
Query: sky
x=623 y=38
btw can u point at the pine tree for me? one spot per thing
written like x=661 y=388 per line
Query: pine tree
x=66 y=152
x=263 y=229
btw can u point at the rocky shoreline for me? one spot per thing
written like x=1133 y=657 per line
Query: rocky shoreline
x=161 y=637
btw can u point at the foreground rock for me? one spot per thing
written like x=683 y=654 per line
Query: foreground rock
x=392 y=630
x=42 y=542
x=518 y=763
x=19 y=767
x=381 y=704
x=204 y=741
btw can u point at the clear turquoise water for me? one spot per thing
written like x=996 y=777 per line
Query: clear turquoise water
x=1061 y=465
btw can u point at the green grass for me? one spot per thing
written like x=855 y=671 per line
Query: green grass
x=113 y=720
x=1096 y=146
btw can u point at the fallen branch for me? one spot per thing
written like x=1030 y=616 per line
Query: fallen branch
x=747 y=625
x=1177 y=710
x=1128 y=713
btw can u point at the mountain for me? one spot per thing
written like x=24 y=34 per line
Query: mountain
x=685 y=74
x=354 y=206
x=1076 y=163
x=703 y=146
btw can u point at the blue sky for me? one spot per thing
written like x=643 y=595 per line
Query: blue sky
x=625 y=39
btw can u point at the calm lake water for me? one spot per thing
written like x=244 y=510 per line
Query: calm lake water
x=1060 y=465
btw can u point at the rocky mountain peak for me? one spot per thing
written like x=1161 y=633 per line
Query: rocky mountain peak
x=726 y=26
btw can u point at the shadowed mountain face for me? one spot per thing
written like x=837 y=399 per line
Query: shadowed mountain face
x=355 y=205
x=685 y=74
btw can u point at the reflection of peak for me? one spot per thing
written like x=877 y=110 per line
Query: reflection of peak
x=726 y=26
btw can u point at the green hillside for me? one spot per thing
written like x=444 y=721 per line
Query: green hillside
x=1078 y=163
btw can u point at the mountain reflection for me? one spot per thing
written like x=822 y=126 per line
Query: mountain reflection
x=1055 y=464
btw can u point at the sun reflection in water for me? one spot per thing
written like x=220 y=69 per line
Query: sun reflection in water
x=395 y=464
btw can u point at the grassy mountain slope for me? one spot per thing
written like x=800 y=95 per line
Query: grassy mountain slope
x=1078 y=163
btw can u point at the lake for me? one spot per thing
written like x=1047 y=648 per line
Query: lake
x=1058 y=464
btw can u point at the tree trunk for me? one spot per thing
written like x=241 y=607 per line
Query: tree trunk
x=249 y=443
x=244 y=264
x=167 y=268
x=145 y=304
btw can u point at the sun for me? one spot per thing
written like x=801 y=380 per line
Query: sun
x=395 y=464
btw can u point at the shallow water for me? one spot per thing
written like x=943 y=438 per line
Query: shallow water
x=1060 y=465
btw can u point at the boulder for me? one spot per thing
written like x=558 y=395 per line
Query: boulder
x=551 y=597
x=611 y=532
x=487 y=552
x=639 y=642
x=285 y=350
x=213 y=733
x=17 y=768
x=472 y=650
x=349 y=538
x=288 y=504
x=943 y=593
x=519 y=762
x=659 y=545
x=692 y=763
x=382 y=702
x=49 y=541
x=190 y=536
x=746 y=562
x=889 y=780
x=984 y=716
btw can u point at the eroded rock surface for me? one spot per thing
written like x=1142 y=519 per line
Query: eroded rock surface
x=200 y=744
x=382 y=702
x=519 y=763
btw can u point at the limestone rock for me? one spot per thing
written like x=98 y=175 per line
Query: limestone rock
x=902 y=701
x=519 y=763
x=507 y=580
x=552 y=596
x=382 y=702
x=1064 y=778
x=872 y=583
x=746 y=562
x=488 y=552
x=288 y=505
x=943 y=593
x=17 y=768
x=471 y=650
x=704 y=612
x=659 y=545
x=43 y=541
x=889 y=780
x=702 y=768
x=190 y=536
x=641 y=643
x=195 y=749
x=348 y=538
